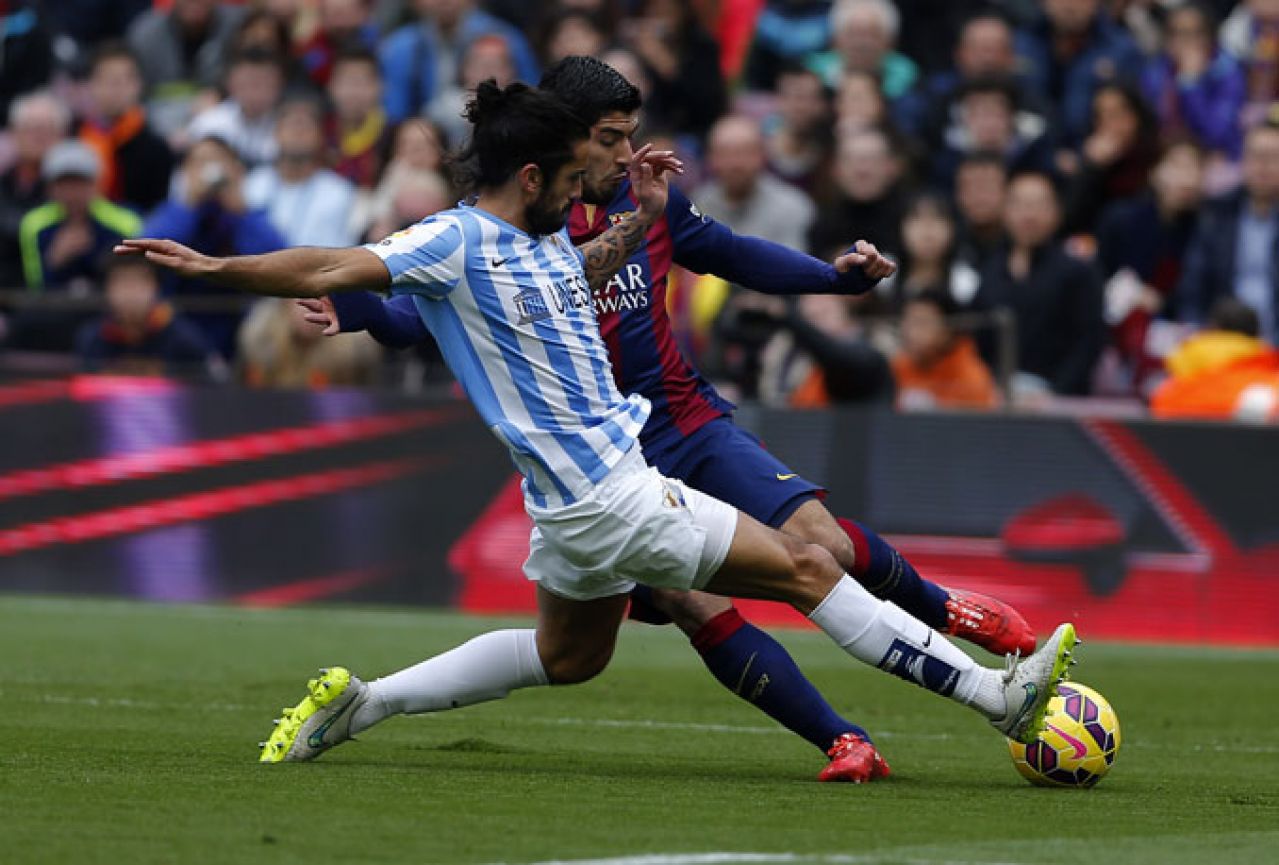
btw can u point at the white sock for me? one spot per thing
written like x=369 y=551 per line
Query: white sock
x=884 y=635
x=486 y=668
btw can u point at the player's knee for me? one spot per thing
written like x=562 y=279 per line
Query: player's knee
x=814 y=570
x=578 y=666
x=838 y=544
x=821 y=529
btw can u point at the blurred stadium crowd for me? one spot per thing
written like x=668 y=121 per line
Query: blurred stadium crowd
x=1083 y=195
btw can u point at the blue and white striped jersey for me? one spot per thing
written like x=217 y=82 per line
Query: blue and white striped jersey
x=514 y=320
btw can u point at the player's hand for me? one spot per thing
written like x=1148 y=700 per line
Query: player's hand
x=170 y=254
x=868 y=258
x=648 y=172
x=321 y=311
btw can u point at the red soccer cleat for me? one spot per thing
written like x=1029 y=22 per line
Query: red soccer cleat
x=855 y=760
x=988 y=622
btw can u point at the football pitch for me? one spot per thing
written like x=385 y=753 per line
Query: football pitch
x=128 y=735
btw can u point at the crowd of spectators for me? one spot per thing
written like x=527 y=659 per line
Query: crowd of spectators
x=1072 y=188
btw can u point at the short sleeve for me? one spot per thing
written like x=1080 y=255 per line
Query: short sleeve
x=427 y=258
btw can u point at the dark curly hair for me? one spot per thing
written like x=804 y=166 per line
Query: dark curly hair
x=591 y=88
x=513 y=126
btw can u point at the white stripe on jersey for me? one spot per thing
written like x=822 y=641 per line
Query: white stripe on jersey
x=515 y=322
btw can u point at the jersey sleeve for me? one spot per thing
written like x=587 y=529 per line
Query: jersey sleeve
x=395 y=323
x=427 y=258
x=703 y=245
x=691 y=231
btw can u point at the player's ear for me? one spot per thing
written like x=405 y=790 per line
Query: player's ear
x=531 y=179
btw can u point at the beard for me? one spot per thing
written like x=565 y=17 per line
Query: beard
x=545 y=217
x=602 y=192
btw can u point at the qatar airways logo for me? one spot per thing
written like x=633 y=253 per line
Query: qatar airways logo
x=626 y=290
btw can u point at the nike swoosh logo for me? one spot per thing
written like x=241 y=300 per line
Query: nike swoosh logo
x=782 y=477
x=1080 y=748
x=497 y=262
x=745 y=670
x=1032 y=691
x=316 y=739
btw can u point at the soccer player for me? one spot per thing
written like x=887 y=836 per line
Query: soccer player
x=509 y=299
x=690 y=434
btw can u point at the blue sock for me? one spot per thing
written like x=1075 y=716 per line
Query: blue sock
x=887 y=575
x=756 y=668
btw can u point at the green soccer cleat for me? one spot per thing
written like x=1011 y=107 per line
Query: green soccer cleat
x=320 y=721
x=1030 y=683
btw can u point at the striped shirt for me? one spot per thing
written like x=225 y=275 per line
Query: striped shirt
x=513 y=317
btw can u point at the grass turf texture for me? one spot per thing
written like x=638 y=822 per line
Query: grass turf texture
x=128 y=735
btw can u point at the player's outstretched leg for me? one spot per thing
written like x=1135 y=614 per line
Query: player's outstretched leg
x=572 y=643
x=762 y=563
x=756 y=668
x=888 y=575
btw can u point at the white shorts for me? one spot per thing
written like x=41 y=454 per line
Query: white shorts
x=634 y=527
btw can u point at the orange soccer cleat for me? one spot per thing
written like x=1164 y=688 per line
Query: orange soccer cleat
x=855 y=760
x=988 y=622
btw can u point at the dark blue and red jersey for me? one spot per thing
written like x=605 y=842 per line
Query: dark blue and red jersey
x=632 y=313
x=631 y=308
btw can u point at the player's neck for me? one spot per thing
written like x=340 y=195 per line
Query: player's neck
x=506 y=204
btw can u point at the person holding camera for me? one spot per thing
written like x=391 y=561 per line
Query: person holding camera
x=208 y=213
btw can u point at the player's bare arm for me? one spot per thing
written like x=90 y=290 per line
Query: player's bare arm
x=604 y=256
x=300 y=272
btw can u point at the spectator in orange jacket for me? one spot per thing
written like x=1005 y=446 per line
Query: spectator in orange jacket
x=938 y=367
x=1224 y=371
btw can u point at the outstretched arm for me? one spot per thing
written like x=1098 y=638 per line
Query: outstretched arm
x=705 y=246
x=301 y=272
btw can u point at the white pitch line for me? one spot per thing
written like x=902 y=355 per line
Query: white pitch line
x=747 y=858
x=123 y=703
x=607 y=723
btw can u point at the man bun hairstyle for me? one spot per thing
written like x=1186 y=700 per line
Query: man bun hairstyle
x=513 y=126
x=591 y=88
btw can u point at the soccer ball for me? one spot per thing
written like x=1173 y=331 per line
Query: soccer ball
x=1079 y=742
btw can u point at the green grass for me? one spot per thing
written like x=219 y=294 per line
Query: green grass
x=127 y=735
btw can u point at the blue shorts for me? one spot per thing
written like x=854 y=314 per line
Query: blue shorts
x=725 y=461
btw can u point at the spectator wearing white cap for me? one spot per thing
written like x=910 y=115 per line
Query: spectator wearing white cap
x=64 y=244
x=63 y=241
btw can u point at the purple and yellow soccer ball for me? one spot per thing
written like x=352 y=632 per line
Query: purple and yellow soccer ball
x=1079 y=742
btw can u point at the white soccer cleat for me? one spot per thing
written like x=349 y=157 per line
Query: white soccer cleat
x=320 y=721
x=1031 y=682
